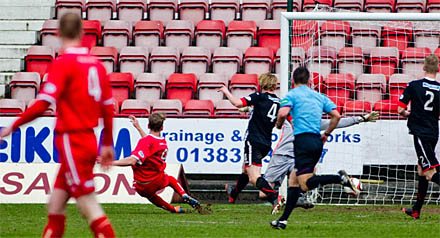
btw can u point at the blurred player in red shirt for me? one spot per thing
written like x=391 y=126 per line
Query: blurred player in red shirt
x=148 y=164
x=79 y=87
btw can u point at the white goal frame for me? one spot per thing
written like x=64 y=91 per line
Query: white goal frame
x=337 y=16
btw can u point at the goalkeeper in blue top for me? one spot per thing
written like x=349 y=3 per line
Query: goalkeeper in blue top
x=306 y=107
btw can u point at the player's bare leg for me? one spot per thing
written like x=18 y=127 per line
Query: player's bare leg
x=56 y=209
x=95 y=216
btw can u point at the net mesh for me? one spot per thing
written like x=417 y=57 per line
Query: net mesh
x=364 y=66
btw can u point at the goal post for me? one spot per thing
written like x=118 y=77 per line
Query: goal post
x=386 y=51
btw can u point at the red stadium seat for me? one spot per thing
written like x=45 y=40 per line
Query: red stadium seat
x=171 y=107
x=210 y=34
x=92 y=33
x=49 y=35
x=148 y=34
x=416 y=6
x=387 y=109
x=242 y=85
x=226 y=61
x=108 y=56
x=304 y=33
x=117 y=34
x=50 y=111
x=224 y=10
x=193 y=10
x=149 y=86
x=64 y=6
x=269 y=35
x=164 y=60
x=356 y=108
x=209 y=84
x=225 y=107
x=101 y=10
x=397 y=34
x=413 y=60
x=433 y=6
x=198 y=108
x=427 y=38
x=365 y=36
x=335 y=34
x=179 y=34
x=384 y=60
x=339 y=88
x=196 y=60
x=371 y=87
x=298 y=56
x=131 y=11
x=397 y=84
x=136 y=107
x=122 y=86
x=133 y=60
x=241 y=34
x=182 y=87
x=350 y=5
x=279 y=6
x=254 y=10
x=257 y=60
x=321 y=59
x=309 y=5
x=162 y=10
x=25 y=85
x=351 y=60
x=11 y=107
x=379 y=6
x=316 y=82
x=38 y=59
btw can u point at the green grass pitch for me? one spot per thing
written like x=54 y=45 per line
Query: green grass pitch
x=241 y=220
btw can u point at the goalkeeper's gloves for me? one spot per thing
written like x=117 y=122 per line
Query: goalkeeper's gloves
x=245 y=109
x=370 y=117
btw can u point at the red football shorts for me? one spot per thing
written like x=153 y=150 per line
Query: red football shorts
x=77 y=155
x=150 y=188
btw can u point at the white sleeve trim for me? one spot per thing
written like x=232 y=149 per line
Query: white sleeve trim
x=47 y=98
x=137 y=158
x=107 y=102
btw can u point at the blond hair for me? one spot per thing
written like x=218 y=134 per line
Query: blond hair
x=70 y=26
x=268 y=82
x=431 y=64
x=155 y=121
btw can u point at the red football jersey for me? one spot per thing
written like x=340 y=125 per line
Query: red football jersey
x=78 y=85
x=150 y=152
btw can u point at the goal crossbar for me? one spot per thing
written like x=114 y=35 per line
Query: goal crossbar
x=335 y=16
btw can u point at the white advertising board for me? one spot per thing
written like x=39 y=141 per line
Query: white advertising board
x=33 y=183
x=216 y=145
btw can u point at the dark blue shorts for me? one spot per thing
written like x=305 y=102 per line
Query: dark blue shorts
x=307 y=150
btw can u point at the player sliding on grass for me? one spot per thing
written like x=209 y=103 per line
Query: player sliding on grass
x=282 y=162
x=424 y=95
x=258 y=135
x=306 y=107
x=148 y=164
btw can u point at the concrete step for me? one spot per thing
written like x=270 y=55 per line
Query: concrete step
x=27 y=3
x=13 y=51
x=18 y=37
x=5 y=78
x=27 y=13
x=25 y=25
x=11 y=65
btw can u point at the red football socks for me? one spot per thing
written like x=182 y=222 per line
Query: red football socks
x=158 y=201
x=175 y=185
x=102 y=228
x=55 y=226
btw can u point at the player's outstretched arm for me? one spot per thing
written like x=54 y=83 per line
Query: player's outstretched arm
x=370 y=117
x=136 y=125
x=127 y=161
x=234 y=100
x=350 y=121
x=37 y=109
x=403 y=112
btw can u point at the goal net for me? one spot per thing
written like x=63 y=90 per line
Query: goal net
x=363 y=62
